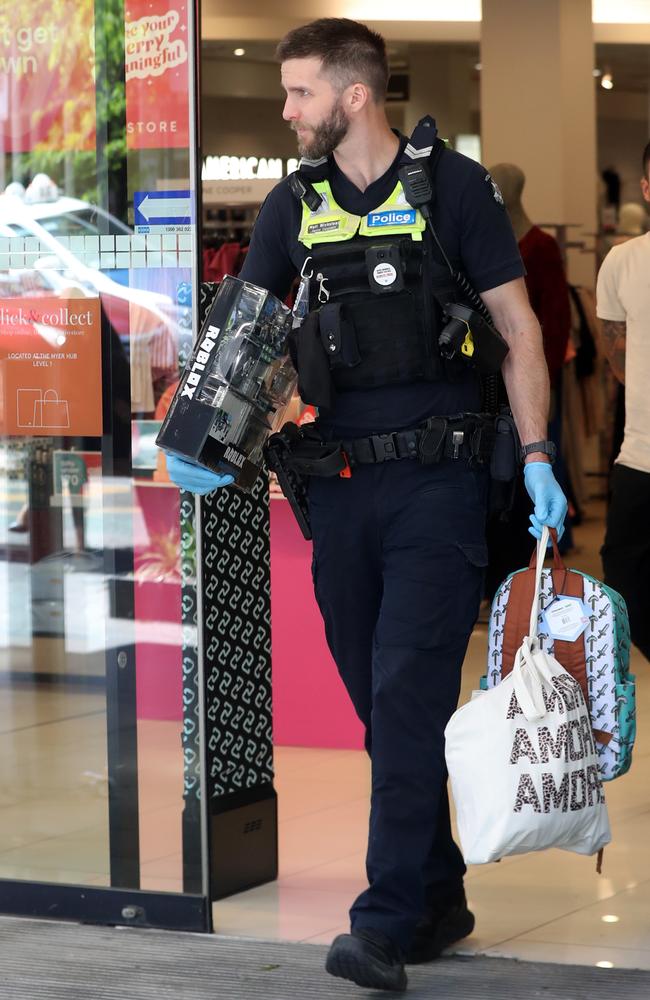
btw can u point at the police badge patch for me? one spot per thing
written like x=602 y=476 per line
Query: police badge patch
x=496 y=193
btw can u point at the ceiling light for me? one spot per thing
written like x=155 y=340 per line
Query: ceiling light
x=606 y=81
x=605 y=965
x=240 y=52
x=609 y=918
x=619 y=11
x=478 y=66
x=597 y=72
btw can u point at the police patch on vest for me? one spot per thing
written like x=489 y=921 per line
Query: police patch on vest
x=496 y=193
x=331 y=226
x=391 y=217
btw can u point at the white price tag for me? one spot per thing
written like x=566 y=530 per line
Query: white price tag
x=566 y=618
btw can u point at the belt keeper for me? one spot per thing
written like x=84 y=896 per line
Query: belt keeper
x=432 y=441
x=483 y=439
x=475 y=444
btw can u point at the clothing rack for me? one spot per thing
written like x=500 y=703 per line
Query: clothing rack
x=560 y=230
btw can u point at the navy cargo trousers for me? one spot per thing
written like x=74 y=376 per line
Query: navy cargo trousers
x=399 y=558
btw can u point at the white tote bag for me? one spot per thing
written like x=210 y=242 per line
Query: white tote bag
x=522 y=761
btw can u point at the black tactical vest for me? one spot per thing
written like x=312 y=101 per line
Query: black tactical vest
x=376 y=285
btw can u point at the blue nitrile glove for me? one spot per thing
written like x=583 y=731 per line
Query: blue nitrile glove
x=549 y=501
x=193 y=477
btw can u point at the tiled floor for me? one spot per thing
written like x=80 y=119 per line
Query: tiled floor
x=550 y=907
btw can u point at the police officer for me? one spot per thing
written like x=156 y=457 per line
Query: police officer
x=399 y=545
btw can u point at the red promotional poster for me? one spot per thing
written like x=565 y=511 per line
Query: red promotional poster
x=50 y=367
x=156 y=60
x=47 y=88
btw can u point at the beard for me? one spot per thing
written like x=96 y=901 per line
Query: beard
x=325 y=136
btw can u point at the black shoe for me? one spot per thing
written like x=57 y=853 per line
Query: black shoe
x=368 y=958
x=449 y=922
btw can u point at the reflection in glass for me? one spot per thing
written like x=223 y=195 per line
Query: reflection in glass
x=95 y=323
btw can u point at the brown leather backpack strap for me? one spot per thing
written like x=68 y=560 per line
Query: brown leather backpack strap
x=517 y=619
x=557 y=558
x=520 y=602
x=517 y=622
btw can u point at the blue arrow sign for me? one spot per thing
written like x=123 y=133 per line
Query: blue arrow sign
x=162 y=208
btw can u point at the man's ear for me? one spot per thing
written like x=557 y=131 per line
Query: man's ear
x=356 y=97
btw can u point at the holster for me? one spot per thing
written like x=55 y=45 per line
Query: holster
x=294 y=454
x=277 y=454
x=505 y=465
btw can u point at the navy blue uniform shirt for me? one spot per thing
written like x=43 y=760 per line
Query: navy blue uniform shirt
x=477 y=236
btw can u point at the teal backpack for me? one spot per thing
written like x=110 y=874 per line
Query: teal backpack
x=599 y=658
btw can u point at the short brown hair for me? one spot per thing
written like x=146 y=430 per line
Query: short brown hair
x=349 y=50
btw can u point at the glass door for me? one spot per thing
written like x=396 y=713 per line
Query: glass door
x=100 y=779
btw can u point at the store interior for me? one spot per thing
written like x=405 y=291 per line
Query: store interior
x=242 y=101
x=544 y=907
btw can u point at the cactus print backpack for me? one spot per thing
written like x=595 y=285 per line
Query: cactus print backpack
x=598 y=658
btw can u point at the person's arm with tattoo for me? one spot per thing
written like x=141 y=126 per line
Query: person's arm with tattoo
x=612 y=312
x=614 y=333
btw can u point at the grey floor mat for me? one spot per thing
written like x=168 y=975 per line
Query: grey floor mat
x=42 y=960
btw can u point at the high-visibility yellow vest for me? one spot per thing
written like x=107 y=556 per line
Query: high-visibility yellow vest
x=332 y=224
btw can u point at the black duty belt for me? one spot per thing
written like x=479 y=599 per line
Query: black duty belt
x=469 y=436
x=295 y=453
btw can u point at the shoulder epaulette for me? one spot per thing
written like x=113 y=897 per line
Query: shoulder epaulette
x=303 y=190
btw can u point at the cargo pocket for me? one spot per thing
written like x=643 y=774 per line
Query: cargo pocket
x=476 y=553
x=432 y=603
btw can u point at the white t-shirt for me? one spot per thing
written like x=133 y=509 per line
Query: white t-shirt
x=623 y=295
